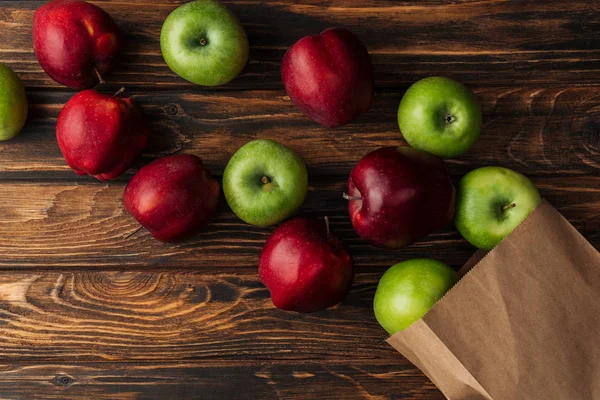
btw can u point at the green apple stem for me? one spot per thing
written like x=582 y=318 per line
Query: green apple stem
x=346 y=196
x=508 y=206
x=267 y=184
x=119 y=92
x=449 y=118
x=99 y=77
x=203 y=42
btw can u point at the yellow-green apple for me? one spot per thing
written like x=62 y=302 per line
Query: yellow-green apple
x=204 y=43
x=440 y=116
x=491 y=202
x=408 y=290
x=13 y=103
x=265 y=182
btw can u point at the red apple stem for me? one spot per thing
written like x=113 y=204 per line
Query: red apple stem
x=350 y=198
x=119 y=92
x=327 y=225
x=508 y=206
x=132 y=233
x=99 y=77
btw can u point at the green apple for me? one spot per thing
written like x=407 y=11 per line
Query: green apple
x=204 y=43
x=440 y=116
x=408 y=290
x=491 y=202
x=265 y=182
x=13 y=103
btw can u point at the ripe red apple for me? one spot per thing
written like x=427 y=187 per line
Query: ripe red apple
x=397 y=195
x=101 y=135
x=329 y=77
x=172 y=197
x=75 y=42
x=305 y=267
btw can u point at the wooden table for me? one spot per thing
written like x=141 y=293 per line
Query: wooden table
x=92 y=309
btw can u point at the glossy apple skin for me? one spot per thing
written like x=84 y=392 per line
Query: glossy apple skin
x=13 y=103
x=101 y=135
x=305 y=267
x=173 y=197
x=440 y=116
x=203 y=42
x=405 y=194
x=71 y=38
x=408 y=290
x=284 y=187
x=329 y=76
x=491 y=202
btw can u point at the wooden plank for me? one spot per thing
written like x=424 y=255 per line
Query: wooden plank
x=538 y=130
x=176 y=316
x=477 y=42
x=215 y=381
x=53 y=225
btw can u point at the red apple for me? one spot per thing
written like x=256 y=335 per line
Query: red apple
x=173 y=197
x=75 y=42
x=305 y=267
x=101 y=135
x=398 y=195
x=329 y=77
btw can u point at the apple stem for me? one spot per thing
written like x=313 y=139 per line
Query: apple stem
x=350 y=198
x=119 y=92
x=327 y=225
x=265 y=180
x=508 y=206
x=99 y=77
x=203 y=42
x=132 y=233
x=449 y=118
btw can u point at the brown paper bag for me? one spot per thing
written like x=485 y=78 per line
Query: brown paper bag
x=522 y=323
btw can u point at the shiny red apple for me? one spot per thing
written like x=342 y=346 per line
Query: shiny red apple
x=173 y=197
x=101 y=135
x=75 y=42
x=329 y=76
x=305 y=267
x=398 y=195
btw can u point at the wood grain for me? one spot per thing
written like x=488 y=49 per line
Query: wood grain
x=47 y=225
x=477 y=42
x=540 y=131
x=175 y=381
x=177 y=316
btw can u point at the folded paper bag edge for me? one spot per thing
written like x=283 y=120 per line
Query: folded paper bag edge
x=461 y=385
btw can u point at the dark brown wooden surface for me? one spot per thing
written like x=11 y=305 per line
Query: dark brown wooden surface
x=89 y=308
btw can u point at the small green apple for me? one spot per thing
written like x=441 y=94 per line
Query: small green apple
x=408 y=290
x=440 y=116
x=491 y=202
x=265 y=182
x=204 y=43
x=13 y=104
